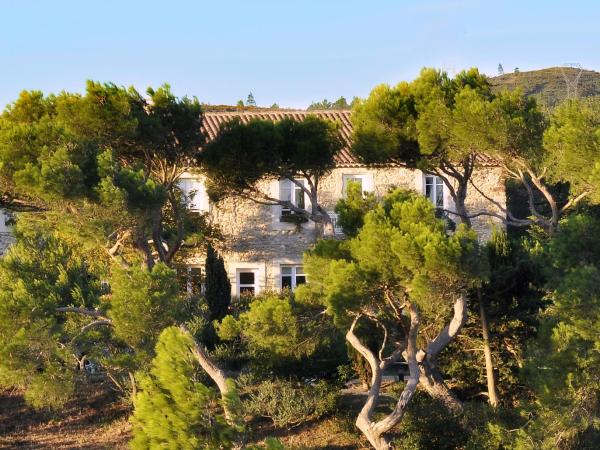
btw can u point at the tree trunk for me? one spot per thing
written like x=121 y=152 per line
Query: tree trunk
x=133 y=384
x=375 y=431
x=430 y=376
x=225 y=384
x=487 y=352
x=433 y=382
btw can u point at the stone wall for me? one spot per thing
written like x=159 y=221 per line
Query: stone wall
x=256 y=240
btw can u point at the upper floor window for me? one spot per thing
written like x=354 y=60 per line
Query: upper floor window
x=292 y=276
x=293 y=193
x=434 y=190
x=365 y=181
x=194 y=194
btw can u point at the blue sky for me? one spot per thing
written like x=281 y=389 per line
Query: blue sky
x=289 y=52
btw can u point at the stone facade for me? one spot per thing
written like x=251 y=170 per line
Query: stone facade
x=257 y=242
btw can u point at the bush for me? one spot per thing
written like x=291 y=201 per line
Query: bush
x=289 y=403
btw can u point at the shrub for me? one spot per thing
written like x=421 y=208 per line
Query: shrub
x=289 y=403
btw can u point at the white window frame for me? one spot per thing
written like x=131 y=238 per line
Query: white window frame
x=188 y=284
x=194 y=192
x=435 y=182
x=294 y=273
x=287 y=186
x=366 y=180
x=239 y=286
x=337 y=230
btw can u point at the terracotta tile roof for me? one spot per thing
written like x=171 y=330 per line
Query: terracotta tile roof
x=213 y=120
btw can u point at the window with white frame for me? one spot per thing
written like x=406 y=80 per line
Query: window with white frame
x=293 y=193
x=364 y=180
x=337 y=229
x=434 y=190
x=194 y=194
x=292 y=276
x=247 y=282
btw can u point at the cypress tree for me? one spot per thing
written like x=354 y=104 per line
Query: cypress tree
x=218 y=287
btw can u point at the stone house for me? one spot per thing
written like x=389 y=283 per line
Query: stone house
x=262 y=252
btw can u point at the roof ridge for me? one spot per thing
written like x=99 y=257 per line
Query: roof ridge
x=279 y=111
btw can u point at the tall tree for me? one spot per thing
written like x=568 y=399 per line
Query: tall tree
x=217 y=285
x=566 y=151
x=101 y=170
x=422 y=124
x=243 y=155
x=110 y=147
x=174 y=409
x=563 y=362
x=400 y=269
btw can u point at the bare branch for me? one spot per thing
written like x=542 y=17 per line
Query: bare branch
x=83 y=311
x=449 y=332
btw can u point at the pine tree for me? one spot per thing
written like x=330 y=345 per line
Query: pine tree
x=218 y=287
x=250 y=100
x=500 y=69
x=173 y=409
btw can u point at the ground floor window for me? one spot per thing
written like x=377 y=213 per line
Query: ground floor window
x=194 y=281
x=246 y=282
x=292 y=276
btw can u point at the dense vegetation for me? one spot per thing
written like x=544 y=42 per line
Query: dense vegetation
x=457 y=343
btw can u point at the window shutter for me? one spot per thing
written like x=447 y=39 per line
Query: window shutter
x=420 y=182
x=285 y=191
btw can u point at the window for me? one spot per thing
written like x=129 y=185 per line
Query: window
x=292 y=276
x=194 y=194
x=292 y=193
x=246 y=282
x=434 y=190
x=364 y=180
x=194 y=280
x=337 y=229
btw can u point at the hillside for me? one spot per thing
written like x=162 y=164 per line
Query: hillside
x=548 y=85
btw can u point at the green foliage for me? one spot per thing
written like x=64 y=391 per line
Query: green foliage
x=38 y=275
x=270 y=325
x=340 y=103
x=563 y=361
x=289 y=403
x=416 y=122
x=572 y=143
x=173 y=409
x=352 y=209
x=276 y=334
x=110 y=148
x=402 y=247
x=218 y=288
x=243 y=154
x=143 y=303
x=512 y=296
